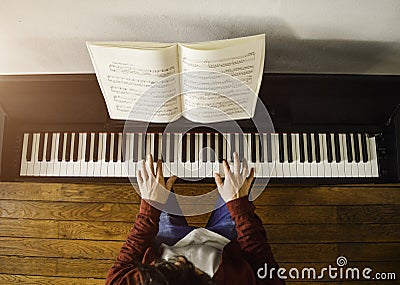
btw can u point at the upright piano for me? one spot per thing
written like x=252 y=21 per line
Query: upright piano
x=328 y=129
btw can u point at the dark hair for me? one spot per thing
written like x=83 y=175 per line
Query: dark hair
x=175 y=271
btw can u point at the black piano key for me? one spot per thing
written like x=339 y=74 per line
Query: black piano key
x=337 y=147
x=212 y=146
x=192 y=138
x=41 y=147
x=68 y=147
x=301 y=146
x=184 y=148
x=309 y=149
x=96 y=147
x=156 y=141
x=317 y=148
x=48 y=147
x=364 y=147
x=76 y=147
x=253 y=147
x=349 y=148
x=329 y=147
x=87 y=147
x=240 y=149
x=123 y=147
x=60 y=147
x=260 y=146
x=172 y=149
x=135 y=154
x=108 y=146
x=281 y=148
x=29 y=147
x=356 y=148
x=233 y=148
x=269 y=147
x=164 y=147
x=204 y=150
x=289 y=148
x=116 y=143
x=220 y=147
x=144 y=141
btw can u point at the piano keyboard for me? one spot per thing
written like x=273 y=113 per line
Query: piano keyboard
x=198 y=155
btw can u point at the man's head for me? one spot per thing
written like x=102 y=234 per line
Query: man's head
x=177 y=271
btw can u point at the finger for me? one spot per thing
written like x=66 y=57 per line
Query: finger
x=159 y=172
x=226 y=167
x=245 y=168
x=170 y=182
x=145 y=175
x=251 y=175
x=139 y=177
x=236 y=163
x=218 y=180
x=150 y=163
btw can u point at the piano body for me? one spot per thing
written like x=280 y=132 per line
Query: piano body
x=328 y=129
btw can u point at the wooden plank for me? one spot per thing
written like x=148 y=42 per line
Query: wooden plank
x=59 y=248
x=300 y=252
x=382 y=214
x=273 y=195
x=370 y=251
x=61 y=267
x=127 y=212
x=10 y=279
x=29 y=228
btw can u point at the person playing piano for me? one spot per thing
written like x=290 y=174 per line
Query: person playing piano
x=162 y=249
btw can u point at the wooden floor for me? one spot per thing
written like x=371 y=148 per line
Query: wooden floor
x=71 y=233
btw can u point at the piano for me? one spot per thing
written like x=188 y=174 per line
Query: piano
x=328 y=129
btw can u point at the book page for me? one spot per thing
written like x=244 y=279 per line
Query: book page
x=220 y=80
x=137 y=80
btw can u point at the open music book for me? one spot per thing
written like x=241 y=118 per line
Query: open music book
x=204 y=82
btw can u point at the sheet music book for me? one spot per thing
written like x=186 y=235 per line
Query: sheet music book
x=204 y=82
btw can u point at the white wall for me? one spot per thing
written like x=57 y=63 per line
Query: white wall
x=339 y=36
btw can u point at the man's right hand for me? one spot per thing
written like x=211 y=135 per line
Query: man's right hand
x=236 y=184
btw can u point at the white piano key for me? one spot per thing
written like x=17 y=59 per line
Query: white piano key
x=361 y=165
x=314 y=166
x=187 y=164
x=103 y=164
x=285 y=165
x=152 y=146
x=299 y=164
x=57 y=164
x=90 y=163
x=140 y=146
x=293 y=164
x=111 y=165
x=373 y=157
x=130 y=165
x=53 y=157
x=306 y=164
x=195 y=164
x=202 y=165
x=70 y=164
x=327 y=166
x=258 y=170
x=181 y=166
x=159 y=146
x=334 y=164
x=97 y=164
x=81 y=156
x=321 y=164
x=176 y=155
x=24 y=161
x=278 y=164
x=167 y=164
x=228 y=148
x=43 y=163
x=265 y=165
x=209 y=165
x=347 y=164
x=354 y=164
x=341 y=164
x=77 y=164
x=118 y=163
x=368 y=165
x=63 y=163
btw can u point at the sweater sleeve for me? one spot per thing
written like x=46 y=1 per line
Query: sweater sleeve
x=252 y=237
x=141 y=236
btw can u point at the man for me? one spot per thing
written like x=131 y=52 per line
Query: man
x=230 y=250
